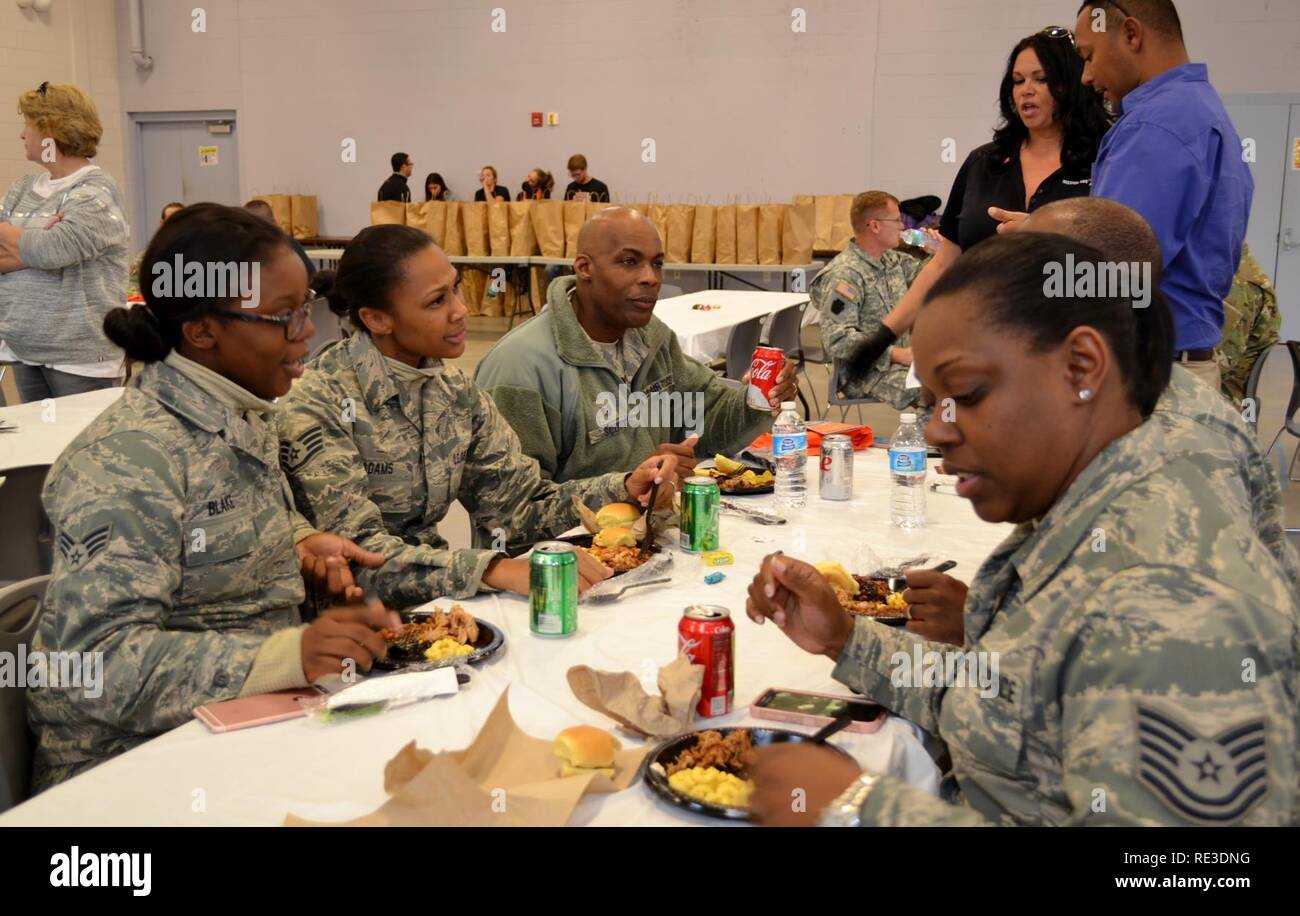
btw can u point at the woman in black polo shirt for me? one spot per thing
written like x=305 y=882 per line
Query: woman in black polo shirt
x=1043 y=151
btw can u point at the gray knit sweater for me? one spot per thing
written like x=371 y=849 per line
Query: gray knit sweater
x=76 y=270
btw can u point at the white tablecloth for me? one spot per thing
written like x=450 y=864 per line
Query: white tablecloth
x=703 y=335
x=334 y=772
x=44 y=432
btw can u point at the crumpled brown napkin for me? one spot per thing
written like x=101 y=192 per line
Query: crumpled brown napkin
x=506 y=778
x=619 y=695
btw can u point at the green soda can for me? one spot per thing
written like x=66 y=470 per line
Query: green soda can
x=700 y=507
x=553 y=590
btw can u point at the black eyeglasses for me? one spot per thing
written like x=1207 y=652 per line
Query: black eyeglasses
x=293 y=323
x=1057 y=31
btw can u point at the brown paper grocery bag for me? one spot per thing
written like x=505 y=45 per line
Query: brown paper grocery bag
x=746 y=233
x=523 y=241
x=771 y=217
x=823 y=219
x=680 y=222
x=548 y=226
x=472 y=285
x=658 y=214
x=498 y=220
x=841 y=225
x=387 y=213
x=797 y=231
x=453 y=233
x=281 y=209
x=302 y=216
x=415 y=215
x=724 y=234
x=575 y=214
x=435 y=221
x=474 y=221
x=703 y=239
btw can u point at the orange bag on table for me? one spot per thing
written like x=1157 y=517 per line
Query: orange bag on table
x=498 y=217
x=704 y=238
x=861 y=436
x=724 y=235
x=473 y=284
x=658 y=214
x=842 y=226
x=384 y=212
x=281 y=209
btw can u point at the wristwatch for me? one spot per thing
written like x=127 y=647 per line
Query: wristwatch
x=846 y=811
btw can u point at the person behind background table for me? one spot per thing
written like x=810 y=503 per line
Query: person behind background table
x=1123 y=236
x=857 y=289
x=1042 y=150
x=435 y=188
x=487 y=177
x=63 y=252
x=174 y=524
x=133 y=277
x=597 y=346
x=583 y=186
x=417 y=434
x=395 y=186
x=1120 y=610
x=537 y=186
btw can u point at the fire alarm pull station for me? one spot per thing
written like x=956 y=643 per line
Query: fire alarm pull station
x=537 y=119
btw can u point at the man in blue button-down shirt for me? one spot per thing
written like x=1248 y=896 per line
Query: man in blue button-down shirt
x=1172 y=156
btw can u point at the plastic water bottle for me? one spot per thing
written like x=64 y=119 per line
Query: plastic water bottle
x=907 y=470
x=790 y=453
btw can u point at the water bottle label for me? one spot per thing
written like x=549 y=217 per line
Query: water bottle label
x=907 y=460
x=785 y=445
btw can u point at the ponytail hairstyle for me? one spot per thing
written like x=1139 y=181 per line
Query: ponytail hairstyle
x=372 y=266
x=1008 y=273
x=197 y=234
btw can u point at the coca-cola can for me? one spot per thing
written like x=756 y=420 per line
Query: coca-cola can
x=837 y=467
x=707 y=637
x=763 y=370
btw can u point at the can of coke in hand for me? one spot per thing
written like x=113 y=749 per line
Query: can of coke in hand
x=763 y=370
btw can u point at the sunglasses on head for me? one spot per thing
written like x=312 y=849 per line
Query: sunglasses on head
x=1057 y=31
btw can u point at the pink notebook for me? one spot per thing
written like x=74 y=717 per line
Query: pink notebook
x=261 y=709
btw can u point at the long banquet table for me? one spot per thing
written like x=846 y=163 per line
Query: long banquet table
x=335 y=772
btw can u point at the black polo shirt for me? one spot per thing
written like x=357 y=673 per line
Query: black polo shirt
x=983 y=181
x=395 y=188
x=500 y=192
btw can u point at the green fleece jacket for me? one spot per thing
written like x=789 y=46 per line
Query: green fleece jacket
x=566 y=405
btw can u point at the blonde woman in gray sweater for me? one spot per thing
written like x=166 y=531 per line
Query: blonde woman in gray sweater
x=63 y=252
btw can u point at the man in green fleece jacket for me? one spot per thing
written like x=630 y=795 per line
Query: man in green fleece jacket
x=595 y=382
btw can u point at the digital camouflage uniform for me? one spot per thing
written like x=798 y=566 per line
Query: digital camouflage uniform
x=376 y=462
x=175 y=559
x=853 y=293
x=1147 y=678
x=1251 y=324
x=1188 y=398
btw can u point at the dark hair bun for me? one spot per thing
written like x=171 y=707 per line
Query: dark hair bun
x=137 y=331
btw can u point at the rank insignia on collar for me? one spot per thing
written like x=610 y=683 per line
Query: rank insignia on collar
x=295 y=455
x=78 y=553
x=1214 y=780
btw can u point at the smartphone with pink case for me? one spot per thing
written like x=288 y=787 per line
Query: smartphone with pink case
x=803 y=707
x=262 y=709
